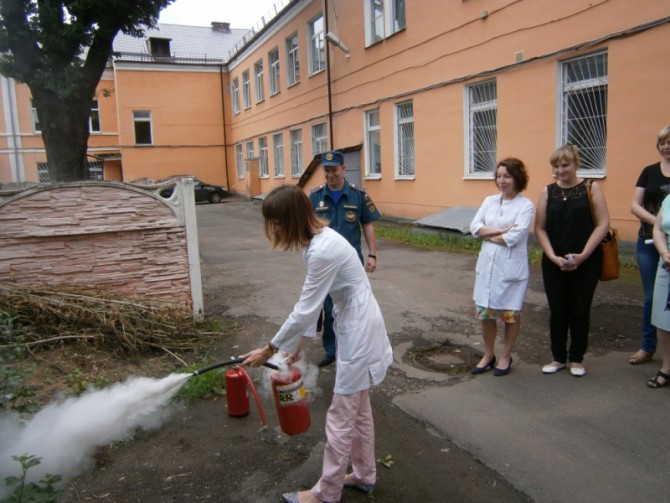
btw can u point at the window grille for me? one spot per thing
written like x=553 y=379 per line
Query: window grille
x=482 y=127
x=405 y=139
x=263 y=156
x=296 y=152
x=278 y=150
x=239 y=159
x=584 y=114
x=373 y=142
x=319 y=138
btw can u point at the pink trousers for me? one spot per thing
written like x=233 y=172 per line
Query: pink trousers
x=350 y=436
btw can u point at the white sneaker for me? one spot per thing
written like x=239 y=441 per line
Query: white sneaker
x=578 y=371
x=552 y=368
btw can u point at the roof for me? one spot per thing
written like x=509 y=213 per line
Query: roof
x=456 y=218
x=186 y=42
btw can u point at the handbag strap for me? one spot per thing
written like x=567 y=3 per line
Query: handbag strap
x=588 y=191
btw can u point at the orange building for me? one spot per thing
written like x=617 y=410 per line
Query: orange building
x=424 y=96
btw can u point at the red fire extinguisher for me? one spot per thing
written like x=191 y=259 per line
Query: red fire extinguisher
x=290 y=397
x=237 y=393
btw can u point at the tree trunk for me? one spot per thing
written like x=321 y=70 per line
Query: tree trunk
x=65 y=132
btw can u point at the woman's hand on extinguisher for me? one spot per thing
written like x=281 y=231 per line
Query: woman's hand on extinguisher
x=293 y=357
x=257 y=357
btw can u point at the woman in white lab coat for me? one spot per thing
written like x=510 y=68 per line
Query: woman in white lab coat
x=363 y=349
x=502 y=223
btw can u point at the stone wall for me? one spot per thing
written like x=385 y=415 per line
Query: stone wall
x=100 y=235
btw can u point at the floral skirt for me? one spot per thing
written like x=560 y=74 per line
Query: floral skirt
x=486 y=313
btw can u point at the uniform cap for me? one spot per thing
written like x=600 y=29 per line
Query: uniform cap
x=332 y=158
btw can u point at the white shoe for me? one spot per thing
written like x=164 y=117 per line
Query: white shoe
x=552 y=368
x=578 y=371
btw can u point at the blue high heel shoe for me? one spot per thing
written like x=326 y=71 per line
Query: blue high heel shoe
x=481 y=370
x=503 y=372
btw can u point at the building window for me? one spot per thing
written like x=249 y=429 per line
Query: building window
x=37 y=127
x=95 y=171
x=481 y=128
x=383 y=18
x=263 y=157
x=584 y=109
x=404 y=120
x=239 y=160
x=273 y=58
x=250 y=149
x=278 y=150
x=142 y=122
x=258 y=71
x=293 y=62
x=317 y=52
x=319 y=138
x=246 y=89
x=373 y=147
x=94 y=119
x=236 y=96
x=296 y=151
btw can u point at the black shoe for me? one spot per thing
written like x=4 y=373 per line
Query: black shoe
x=503 y=372
x=481 y=370
x=327 y=360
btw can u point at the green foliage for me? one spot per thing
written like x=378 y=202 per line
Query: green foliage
x=428 y=239
x=43 y=491
x=13 y=369
x=202 y=386
x=79 y=381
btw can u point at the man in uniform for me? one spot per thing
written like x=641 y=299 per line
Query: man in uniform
x=347 y=208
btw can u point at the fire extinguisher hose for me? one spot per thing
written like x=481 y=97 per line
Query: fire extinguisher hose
x=234 y=361
x=253 y=390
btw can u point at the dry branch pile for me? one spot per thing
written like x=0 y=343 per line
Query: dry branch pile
x=48 y=317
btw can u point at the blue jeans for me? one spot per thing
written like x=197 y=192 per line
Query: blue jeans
x=647 y=262
x=328 y=337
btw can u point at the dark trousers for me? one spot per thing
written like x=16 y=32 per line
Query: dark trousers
x=570 y=295
x=328 y=337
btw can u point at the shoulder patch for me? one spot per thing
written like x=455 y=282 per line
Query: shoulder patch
x=316 y=189
x=356 y=187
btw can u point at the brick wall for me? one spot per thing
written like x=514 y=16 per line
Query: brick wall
x=103 y=235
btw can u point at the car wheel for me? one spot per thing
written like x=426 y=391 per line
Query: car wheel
x=215 y=198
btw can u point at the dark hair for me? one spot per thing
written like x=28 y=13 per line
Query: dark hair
x=290 y=208
x=517 y=171
x=566 y=153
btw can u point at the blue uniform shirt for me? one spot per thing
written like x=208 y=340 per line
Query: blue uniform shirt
x=354 y=209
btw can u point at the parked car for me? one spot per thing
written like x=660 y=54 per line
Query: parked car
x=204 y=192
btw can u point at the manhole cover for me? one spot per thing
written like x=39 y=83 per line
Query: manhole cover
x=447 y=359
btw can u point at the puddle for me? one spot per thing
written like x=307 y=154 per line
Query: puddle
x=450 y=360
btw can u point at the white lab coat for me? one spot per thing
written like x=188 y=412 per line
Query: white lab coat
x=363 y=349
x=502 y=271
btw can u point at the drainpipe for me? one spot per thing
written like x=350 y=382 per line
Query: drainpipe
x=330 y=95
x=223 y=120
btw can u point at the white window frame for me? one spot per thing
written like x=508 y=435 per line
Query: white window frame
x=405 y=164
x=142 y=117
x=246 y=89
x=239 y=160
x=292 y=60
x=373 y=146
x=583 y=110
x=481 y=104
x=295 y=136
x=249 y=149
x=263 y=157
x=278 y=154
x=273 y=61
x=383 y=18
x=319 y=138
x=37 y=127
x=94 y=118
x=236 y=95
x=258 y=72
x=316 y=45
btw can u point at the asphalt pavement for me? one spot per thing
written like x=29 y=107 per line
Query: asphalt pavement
x=556 y=438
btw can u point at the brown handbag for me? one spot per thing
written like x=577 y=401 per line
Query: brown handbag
x=609 y=245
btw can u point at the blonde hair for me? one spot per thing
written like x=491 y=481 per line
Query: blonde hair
x=289 y=207
x=566 y=153
x=663 y=135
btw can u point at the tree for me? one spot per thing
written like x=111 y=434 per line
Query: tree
x=59 y=49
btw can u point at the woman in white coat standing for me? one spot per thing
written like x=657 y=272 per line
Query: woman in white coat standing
x=502 y=223
x=363 y=348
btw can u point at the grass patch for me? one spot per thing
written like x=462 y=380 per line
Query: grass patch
x=207 y=385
